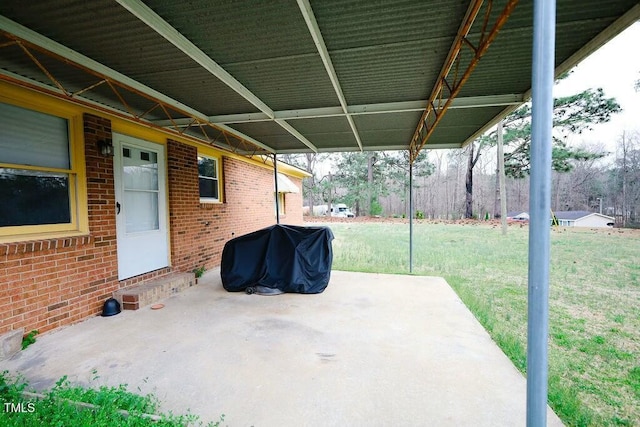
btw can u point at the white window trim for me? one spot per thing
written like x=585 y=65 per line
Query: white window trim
x=218 y=178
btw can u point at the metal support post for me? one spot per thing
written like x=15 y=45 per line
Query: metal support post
x=539 y=207
x=275 y=178
x=501 y=181
x=410 y=216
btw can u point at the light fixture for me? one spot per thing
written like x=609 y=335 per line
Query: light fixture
x=106 y=147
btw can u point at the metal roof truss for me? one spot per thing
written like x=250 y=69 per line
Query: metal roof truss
x=450 y=80
x=351 y=61
x=202 y=129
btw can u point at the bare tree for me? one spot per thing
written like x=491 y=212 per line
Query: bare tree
x=471 y=163
x=628 y=173
x=308 y=162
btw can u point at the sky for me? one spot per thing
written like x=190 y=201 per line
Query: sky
x=614 y=67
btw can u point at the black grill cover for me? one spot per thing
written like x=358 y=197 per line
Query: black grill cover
x=284 y=257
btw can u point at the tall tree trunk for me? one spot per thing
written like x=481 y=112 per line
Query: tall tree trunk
x=557 y=202
x=624 y=180
x=501 y=182
x=456 y=186
x=496 y=199
x=436 y=210
x=519 y=195
x=468 y=213
x=330 y=197
x=310 y=191
x=473 y=159
x=310 y=157
x=406 y=192
x=369 y=181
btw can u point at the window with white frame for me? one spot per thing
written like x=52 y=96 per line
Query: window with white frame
x=37 y=173
x=209 y=179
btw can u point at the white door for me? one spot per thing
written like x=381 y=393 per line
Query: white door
x=141 y=206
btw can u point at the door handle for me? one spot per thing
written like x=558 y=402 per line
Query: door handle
x=117 y=208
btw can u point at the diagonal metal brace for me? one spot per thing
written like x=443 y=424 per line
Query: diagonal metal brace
x=435 y=110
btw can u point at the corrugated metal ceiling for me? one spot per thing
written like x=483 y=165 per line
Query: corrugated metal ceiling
x=382 y=52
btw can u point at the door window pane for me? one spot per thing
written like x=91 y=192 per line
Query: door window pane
x=141 y=211
x=140 y=170
x=141 y=191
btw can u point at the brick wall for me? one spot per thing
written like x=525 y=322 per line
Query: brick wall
x=52 y=282
x=48 y=283
x=200 y=230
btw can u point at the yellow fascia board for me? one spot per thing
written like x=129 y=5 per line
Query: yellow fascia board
x=140 y=129
x=153 y=134
x=287 y=169
x=292 y=171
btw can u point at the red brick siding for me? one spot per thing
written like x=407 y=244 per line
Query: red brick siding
x=48 y=283
x=52 y=282
x=200 y=230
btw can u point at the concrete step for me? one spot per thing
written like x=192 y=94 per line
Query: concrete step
x=153 y=290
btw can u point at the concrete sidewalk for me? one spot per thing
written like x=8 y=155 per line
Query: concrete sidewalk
x=373 y=349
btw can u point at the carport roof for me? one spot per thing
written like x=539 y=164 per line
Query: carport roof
x=286 y=76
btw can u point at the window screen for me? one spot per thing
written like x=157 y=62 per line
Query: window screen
x=35 y=176
x=32 y=138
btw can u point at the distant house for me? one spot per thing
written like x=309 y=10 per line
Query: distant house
x=583 y=219
x=518 y=216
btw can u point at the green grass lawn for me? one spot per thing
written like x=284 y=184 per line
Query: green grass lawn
x=594 y=325
x=69 y=405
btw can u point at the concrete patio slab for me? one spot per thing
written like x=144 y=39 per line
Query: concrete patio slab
x=373 y=349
